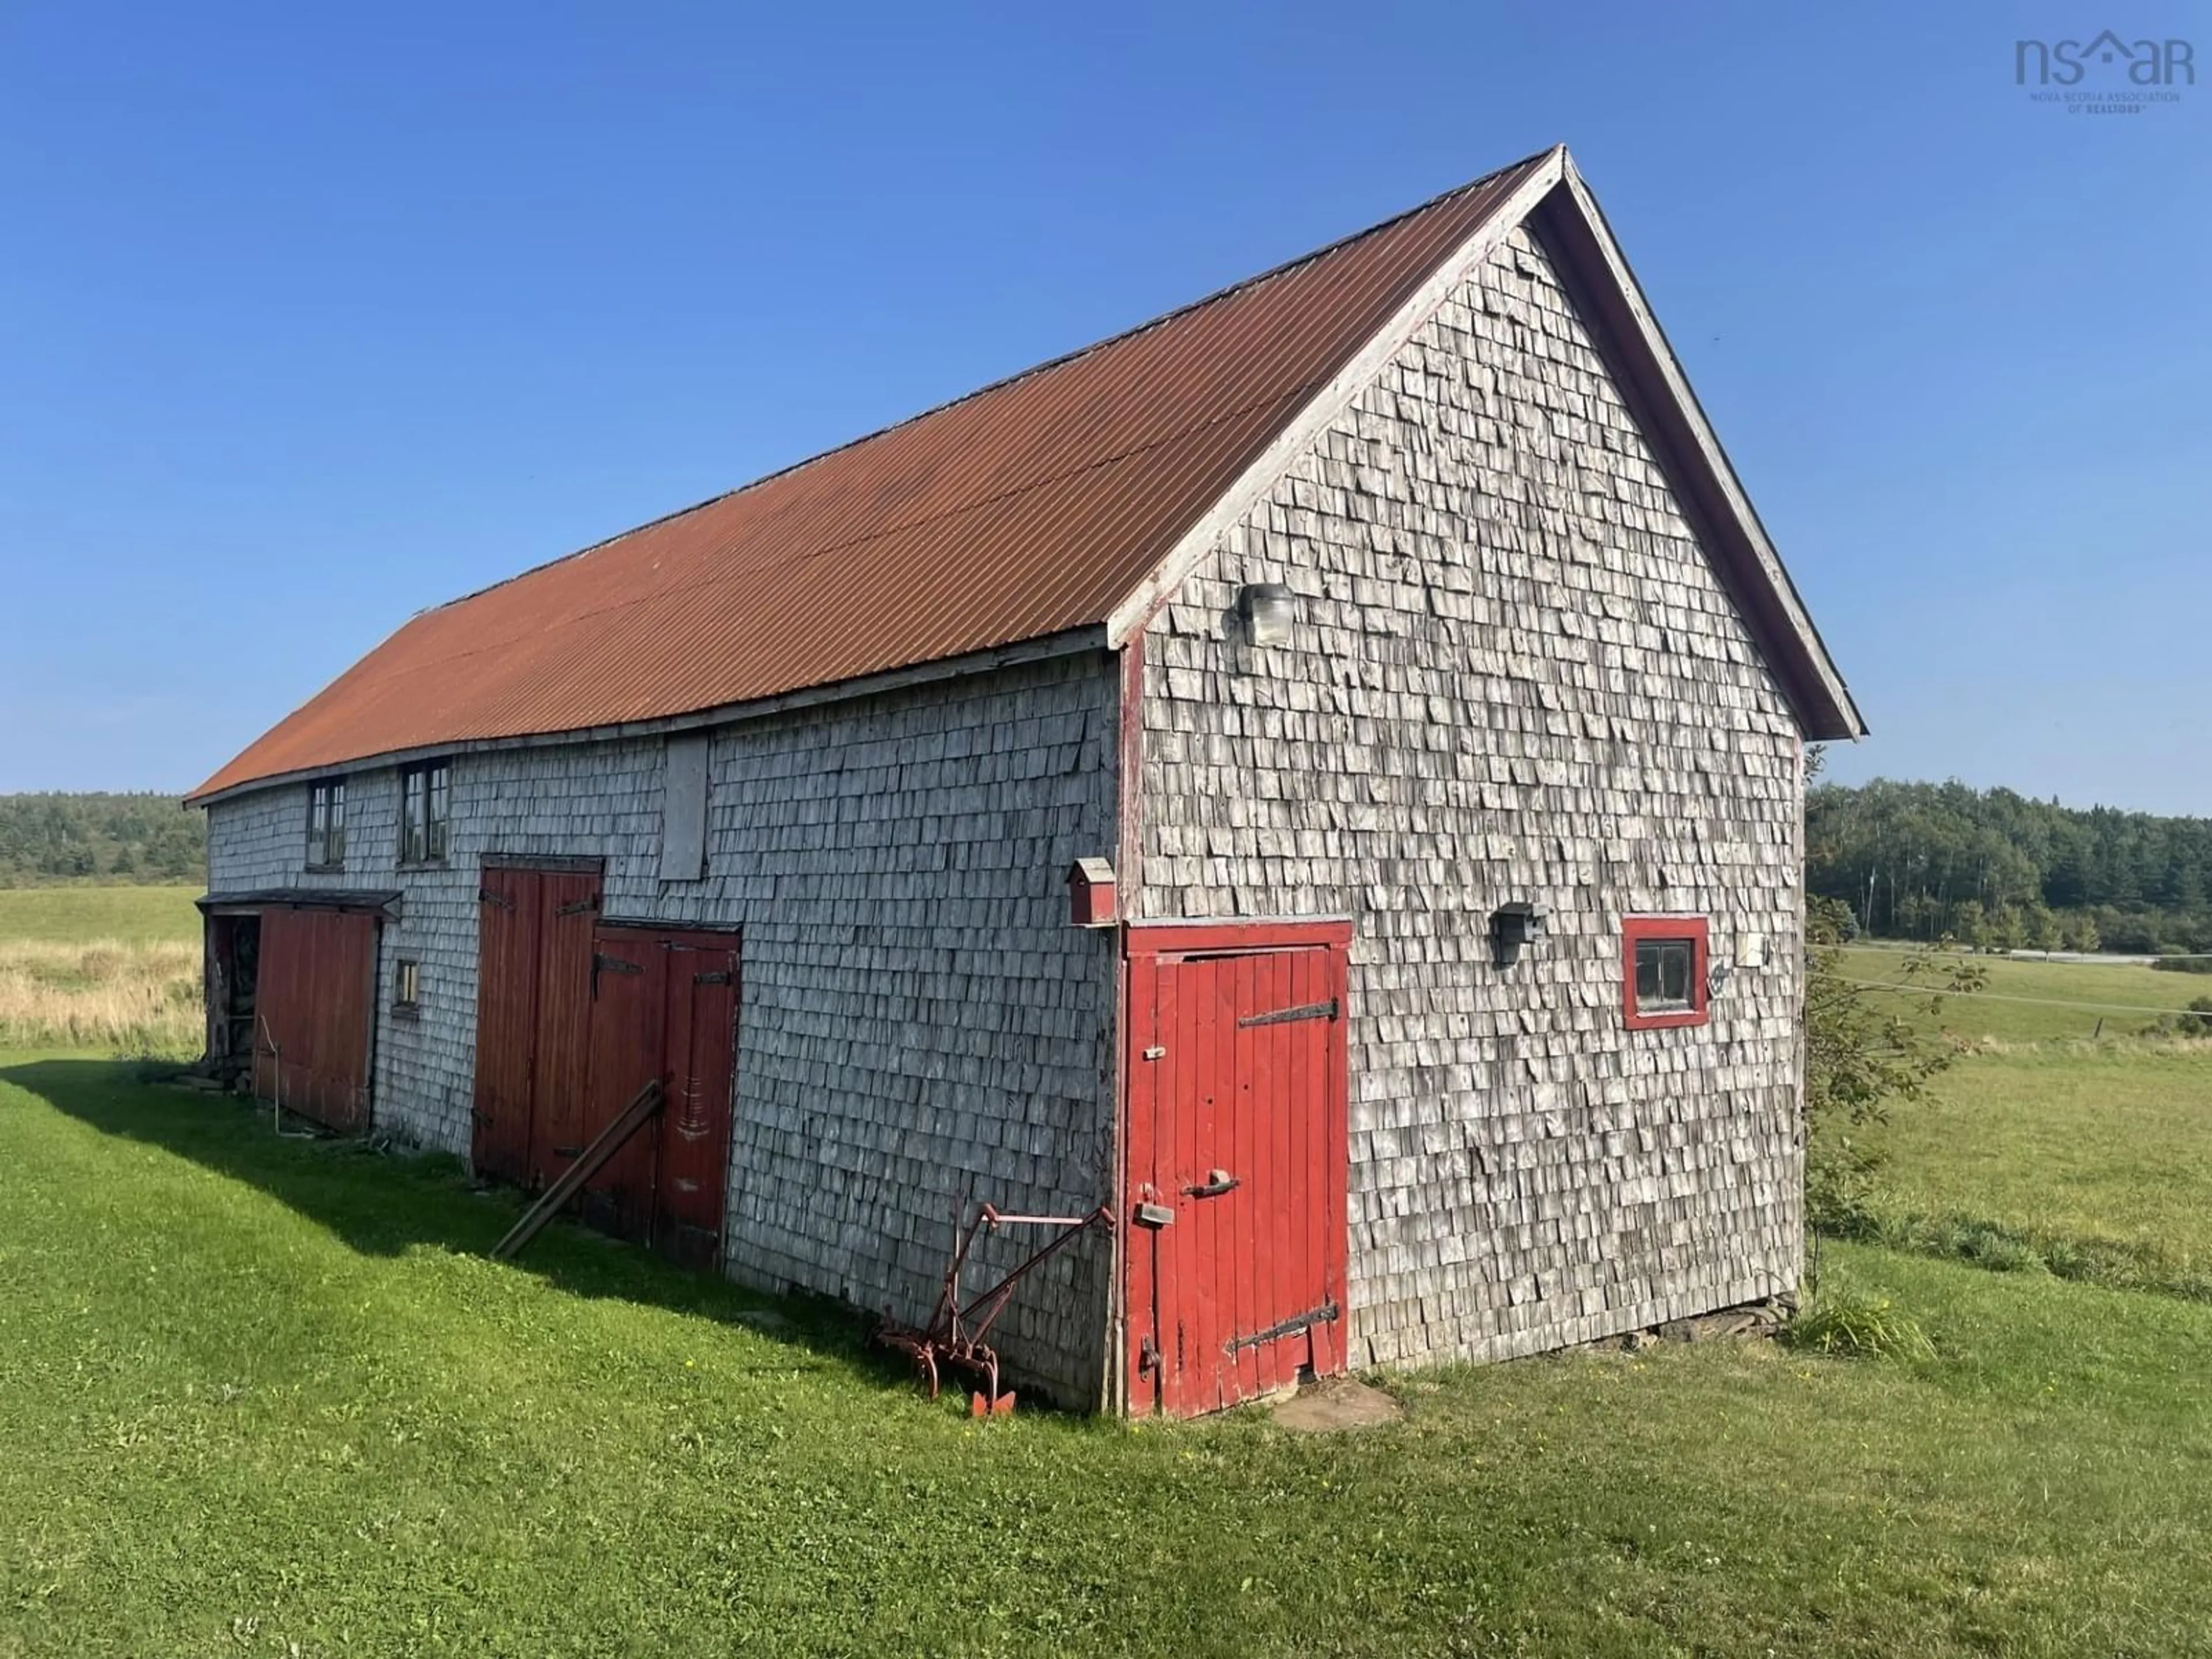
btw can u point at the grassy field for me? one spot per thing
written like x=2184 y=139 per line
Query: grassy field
x=82 y=915
x=2045 y=1146
x=267 y=1397
x=2038 y=1001
x=2107 y=1142
x=263 y=1396
x=112 y=969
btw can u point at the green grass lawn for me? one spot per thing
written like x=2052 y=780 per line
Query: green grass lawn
x=2028 y=1001
x=73 y=915
x=2108 y=1143
x=263 y=1397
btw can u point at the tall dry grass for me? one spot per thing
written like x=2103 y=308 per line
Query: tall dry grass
x=141 y=998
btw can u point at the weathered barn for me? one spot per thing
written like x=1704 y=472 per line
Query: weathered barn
x=1391 y=637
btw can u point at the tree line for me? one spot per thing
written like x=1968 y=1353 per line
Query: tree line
x=1910 y=860
x=1996 y=869
x=99 y=837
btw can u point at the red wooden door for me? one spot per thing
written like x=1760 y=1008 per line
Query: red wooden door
x=316 y=998
x=533 y=997
x=1237 y=1168
x=701 y=1060
x=567 y=913
x=664 y=1005
x=627 y=1038
x=506 y=1022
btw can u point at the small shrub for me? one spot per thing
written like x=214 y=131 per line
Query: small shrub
x=1990 y=1246
x=2195 y=1021
x=1849 y=1325
x=1842 y=1185
x=2068 y=1258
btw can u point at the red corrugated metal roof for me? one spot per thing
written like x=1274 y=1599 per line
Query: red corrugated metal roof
x=1028 y=508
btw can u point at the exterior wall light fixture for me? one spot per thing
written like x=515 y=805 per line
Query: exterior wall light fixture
x=1512 y=926
x=1270 y=609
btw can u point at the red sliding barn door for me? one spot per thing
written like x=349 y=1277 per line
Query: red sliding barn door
x=1236 y=1161
x=572 y=1018
x=316 y=1002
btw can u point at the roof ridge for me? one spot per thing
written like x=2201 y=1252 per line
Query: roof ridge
x=1241 y=286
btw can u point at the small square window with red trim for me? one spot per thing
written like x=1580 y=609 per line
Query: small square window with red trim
x=1663 y=971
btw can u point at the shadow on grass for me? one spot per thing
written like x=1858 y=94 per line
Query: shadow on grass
x=384 y=1204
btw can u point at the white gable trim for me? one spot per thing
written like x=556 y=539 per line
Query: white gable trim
x=1816 y=689
x=1305 y=429
x=1667 y=370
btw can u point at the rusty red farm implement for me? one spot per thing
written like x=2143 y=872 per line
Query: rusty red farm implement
x=954 y=1339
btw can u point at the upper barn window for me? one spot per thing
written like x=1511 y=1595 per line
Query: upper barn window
x=326 y=824
x=1663 y=970
x=425 y=809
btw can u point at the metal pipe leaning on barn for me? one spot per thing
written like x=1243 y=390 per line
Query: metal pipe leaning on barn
x=953 y=1339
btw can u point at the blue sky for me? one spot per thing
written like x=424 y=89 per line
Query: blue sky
x=310 y=317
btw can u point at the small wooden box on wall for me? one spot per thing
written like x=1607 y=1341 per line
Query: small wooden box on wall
x=1090 y=900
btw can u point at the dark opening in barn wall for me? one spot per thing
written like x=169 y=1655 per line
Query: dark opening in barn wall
x=232 y=958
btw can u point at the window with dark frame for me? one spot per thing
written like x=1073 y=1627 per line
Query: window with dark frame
x=425 y=809
x=407 y=987
x=1663 y=971
x=326 y=824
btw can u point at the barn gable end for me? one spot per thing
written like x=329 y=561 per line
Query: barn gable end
x=1515 y=676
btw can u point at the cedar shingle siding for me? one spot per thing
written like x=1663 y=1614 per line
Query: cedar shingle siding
x=1515 y=676
x=920 y=1024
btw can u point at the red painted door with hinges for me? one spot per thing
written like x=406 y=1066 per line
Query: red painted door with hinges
x=568 y=911
x=664 y=1005
x=1236 y=1161
x=534 y=988
x=701 y=1048
x=628 y=1016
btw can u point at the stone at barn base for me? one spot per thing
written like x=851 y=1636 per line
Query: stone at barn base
x=1752 y=1318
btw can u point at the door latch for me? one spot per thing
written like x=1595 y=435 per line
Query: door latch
x=1148 y=1355
x=1217 y=1181
x=1155 y=1215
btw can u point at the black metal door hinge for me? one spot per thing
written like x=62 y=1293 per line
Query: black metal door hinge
x=603 y=964
x=1326 y=1314
x=1285 y=1016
